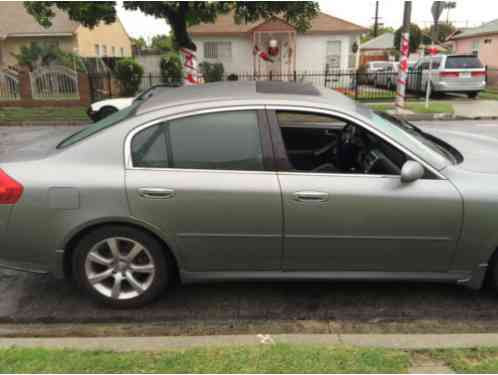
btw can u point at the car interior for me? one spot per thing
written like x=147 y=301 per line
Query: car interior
x=323 y=144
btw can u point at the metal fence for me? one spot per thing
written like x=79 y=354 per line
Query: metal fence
x=357 y=84
x=9 y=85
x=56 y=82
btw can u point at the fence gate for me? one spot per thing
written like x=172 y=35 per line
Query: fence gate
x=9 y=85
x=55 y=82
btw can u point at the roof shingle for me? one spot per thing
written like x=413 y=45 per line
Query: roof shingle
x=487 y=28
x=225 y=24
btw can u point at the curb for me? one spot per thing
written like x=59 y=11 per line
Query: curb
x=126 y=344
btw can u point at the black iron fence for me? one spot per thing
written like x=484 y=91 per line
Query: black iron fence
x=357 y=84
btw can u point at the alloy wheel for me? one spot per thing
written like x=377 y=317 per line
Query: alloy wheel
x=120 y=268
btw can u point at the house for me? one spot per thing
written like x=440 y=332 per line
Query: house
x=18 y=28
x=482 y=40
x=329 y=42
x=377 y=49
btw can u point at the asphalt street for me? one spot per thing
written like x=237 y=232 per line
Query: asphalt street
x=42 y=299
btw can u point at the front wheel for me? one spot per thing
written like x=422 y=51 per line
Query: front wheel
x=121 y=266
x=105 y=112
x=473 y=95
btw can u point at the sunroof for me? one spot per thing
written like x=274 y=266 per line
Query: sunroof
x=289 y=88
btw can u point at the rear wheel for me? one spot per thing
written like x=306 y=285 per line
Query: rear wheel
x=473 y=95
x=121 y=266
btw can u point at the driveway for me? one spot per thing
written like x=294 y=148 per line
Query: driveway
x=28 y=298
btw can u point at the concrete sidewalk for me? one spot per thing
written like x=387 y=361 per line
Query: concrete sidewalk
x=124 y=344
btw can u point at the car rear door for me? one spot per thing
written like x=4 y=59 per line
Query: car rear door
x=363 y=222
x=207 y=182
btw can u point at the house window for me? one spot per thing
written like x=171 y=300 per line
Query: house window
x=97 y=50
x=475 y=46
x=122 y=52
x=113 y=49
x=104 y=50
x=333 y=59
x=218 y=50
x=488 y=41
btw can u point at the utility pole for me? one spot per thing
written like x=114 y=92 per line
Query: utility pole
x=405 y=52
x=376 y=20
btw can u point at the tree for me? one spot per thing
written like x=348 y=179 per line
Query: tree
x=162 y=43
x=179 y=14
x=139 y=43
x=371 y=33
x=444 y=31
x=415 y=38
x=37 y=55
x=129 y=73
x=171 y=69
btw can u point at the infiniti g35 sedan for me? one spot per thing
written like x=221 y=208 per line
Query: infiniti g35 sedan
x=250 y=181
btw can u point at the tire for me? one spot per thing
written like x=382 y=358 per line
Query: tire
x=105 y=112
x=140 y=255
x=473 y=95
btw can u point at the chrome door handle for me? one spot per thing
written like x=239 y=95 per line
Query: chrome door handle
x=156 y=193
x=311 y=196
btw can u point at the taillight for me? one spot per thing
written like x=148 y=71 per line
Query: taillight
x=449 y=74
x=10 y=189
x=478 y=74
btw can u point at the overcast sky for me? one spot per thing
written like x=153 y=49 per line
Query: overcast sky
x=467 y=13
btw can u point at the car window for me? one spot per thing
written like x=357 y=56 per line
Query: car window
x=105 y=123
x=463 y=62
x=149 y=148
x=225 y=140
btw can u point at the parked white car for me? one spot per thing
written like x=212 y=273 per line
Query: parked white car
x=103 y=108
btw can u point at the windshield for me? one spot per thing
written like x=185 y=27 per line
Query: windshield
x=92 y=129
x=421 y=144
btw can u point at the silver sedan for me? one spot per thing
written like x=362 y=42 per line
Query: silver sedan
x=250 y=181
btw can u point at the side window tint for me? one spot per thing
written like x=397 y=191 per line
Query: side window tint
x=148 y=148
x=225 y=140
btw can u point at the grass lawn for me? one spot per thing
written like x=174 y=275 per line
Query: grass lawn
x=17 y=114
x=250 y=359
x=434 y=107
x=490 y=94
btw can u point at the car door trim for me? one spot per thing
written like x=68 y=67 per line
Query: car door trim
x=280 y=151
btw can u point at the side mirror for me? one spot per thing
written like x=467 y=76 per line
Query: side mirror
x=411 y=172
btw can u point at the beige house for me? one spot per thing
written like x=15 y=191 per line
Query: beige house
x=18 y=28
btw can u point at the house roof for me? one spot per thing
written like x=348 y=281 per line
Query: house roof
x=16 y=21
x=384 y=41
x=486 y=29
x=322 y=23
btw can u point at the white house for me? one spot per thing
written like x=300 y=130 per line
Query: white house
x=329 y=42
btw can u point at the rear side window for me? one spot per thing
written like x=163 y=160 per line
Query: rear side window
x=149 y=148
x=218 y=141
x=463 y=62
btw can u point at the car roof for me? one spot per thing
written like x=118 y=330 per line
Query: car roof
x=249 y=92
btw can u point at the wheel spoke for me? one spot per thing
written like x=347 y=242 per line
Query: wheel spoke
x=135 y=284
x=147 y=268
x=98 y=277
x=113 y=246
x=116 y=288
x=96 y=258
x=137 y=249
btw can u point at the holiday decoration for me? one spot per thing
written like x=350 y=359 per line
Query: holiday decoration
x=189 y=67
x=273 y=48
x=262 y=54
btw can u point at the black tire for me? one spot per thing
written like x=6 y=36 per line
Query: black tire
x=473 y=95
x=105 y=112
x=160 y=259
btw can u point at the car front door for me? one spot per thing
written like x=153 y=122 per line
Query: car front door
x=365 y=222
x=205 y=181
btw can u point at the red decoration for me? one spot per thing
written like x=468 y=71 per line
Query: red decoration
x=262 y=54
x=273 y=51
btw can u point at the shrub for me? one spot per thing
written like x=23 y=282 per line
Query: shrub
x=233 y=77
x=129 y=73
x=171 y=69
x=212 y=72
